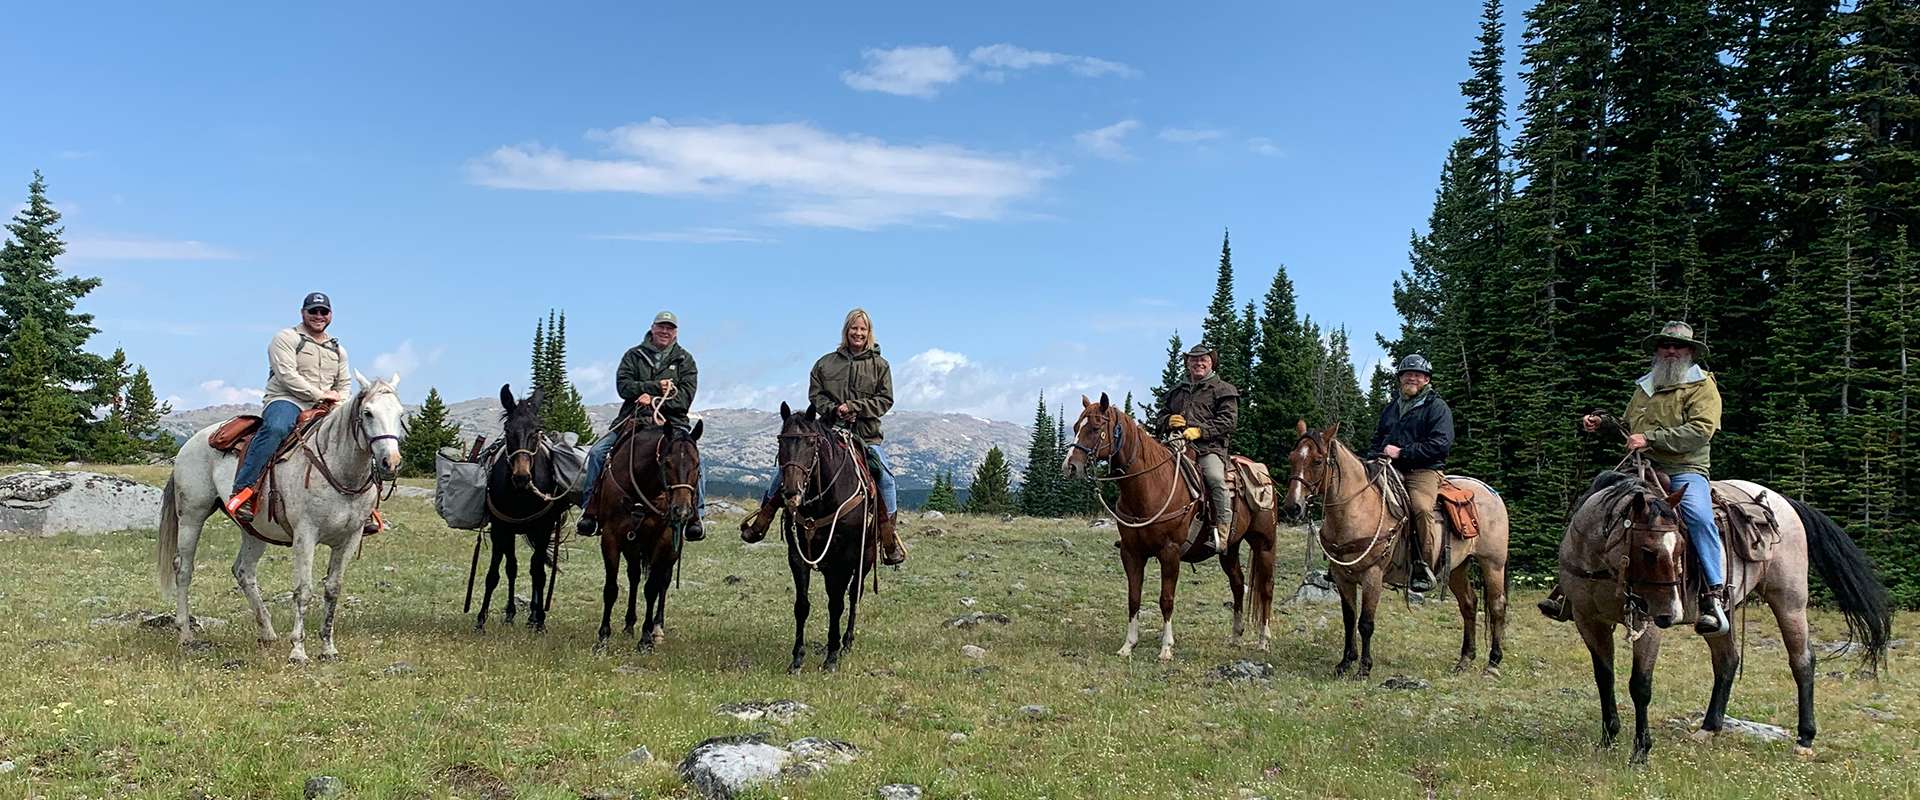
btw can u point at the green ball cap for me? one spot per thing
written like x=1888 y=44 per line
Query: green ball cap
x=666 y=317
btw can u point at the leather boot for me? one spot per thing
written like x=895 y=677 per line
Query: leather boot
x=1419 y=572
x=891 y=551
x=1713 y=619
x=1554 y=606
x=587 y=526
x=755 y=527
x=373 y=524
x=695 y=531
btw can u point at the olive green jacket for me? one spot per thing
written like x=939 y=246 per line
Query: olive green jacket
x=1679 y=421
x=862 y=380
x=640 y=373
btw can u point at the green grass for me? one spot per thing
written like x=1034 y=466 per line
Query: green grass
x=119 y=711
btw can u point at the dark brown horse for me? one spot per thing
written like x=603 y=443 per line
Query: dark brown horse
x=644 y=499
x=1153 y=515
x=523 y=498
x=1624 y=562
x=831 y=525
x=1360 y=536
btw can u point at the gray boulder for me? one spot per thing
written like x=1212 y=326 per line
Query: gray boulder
x=721 y=767
x=901 y=791
x=46 y=503
x=783 y=712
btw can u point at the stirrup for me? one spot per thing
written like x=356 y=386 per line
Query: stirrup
x=587 y=526
x=1555 y=608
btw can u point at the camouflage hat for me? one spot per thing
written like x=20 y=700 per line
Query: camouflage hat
x=666 y=317
x=1677 y=332
x=1201 y=349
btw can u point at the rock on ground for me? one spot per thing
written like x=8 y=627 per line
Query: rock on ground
x=973 y=651
x=1758 y=731
x=724 y=507
x=780 y=711
x=1242 y=671
x=721 y=767
x=901 y=791
x=930 y=515
x=412 y=491
x=1404 y=682
x=638 y=755
x=46 y=503
x=321 y=786
x=977 y=618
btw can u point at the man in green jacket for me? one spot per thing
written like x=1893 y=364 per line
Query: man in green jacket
x=1204 y=410
x=1674 y=413
x=657 y=378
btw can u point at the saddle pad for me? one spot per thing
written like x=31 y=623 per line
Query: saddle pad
x=1746 y=522
x=1258 y=482
x=1455 y=503
x=230 y=434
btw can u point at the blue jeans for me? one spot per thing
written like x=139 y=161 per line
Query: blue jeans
x=597 y=461
x=275 y=423
x=1696 y=507
x=889 y=490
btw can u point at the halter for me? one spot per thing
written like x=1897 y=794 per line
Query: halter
x=1328 y=485
x=809 y=475
x=1633 y=606
x=820 y=445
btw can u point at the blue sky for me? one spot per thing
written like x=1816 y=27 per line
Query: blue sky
x=1026 y=196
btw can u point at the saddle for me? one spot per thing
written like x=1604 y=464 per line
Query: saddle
x=235 y=436
x=1244 y=476
x=1748 y=528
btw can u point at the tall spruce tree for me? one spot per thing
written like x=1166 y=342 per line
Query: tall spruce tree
x=989 y=492
x=1282 y=375
x=1222 y=329
x=35 y=414
x=427 y=432
x=1171 y=375
x=941 y=497
x=1040 y=489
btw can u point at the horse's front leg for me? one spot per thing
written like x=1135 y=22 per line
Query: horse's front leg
x=1169 y=581
x=1640 y=686
x=836 y=606
x=246 y=573
x=1136 y=569
x=1349 y=616
x=659 y=580
x=1598 y=636
x=513 y=576
x=636 y=570
x=609 y=590
x=1370 y=588
x=539 y=540
x=336 y=577
x=304 y=541
x=501 y=543
x=802 y=576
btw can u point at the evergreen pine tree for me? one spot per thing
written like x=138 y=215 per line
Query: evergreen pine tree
x=143 y=413
x=35 y=414
x=1040 y=489
x=988 y=494
x=428 y=431
x=1222 y=328
x=941 y=498
x=1282 y=376
x=1171 y=377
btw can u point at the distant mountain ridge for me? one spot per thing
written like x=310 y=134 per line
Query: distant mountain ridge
x=738 y=444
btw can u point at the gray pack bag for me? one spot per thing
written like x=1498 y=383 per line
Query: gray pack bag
x=569 y=462
x=459 y=489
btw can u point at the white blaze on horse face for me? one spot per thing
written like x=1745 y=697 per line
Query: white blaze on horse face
x=1669 y=542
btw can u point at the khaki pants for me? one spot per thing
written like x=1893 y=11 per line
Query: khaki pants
x=1423 y=489
x=1214 y=469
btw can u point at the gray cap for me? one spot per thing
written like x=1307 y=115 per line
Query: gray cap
x=1414 y=362
x=316 y=300
x=666 y=317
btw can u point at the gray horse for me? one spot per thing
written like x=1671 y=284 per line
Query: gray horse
x=327 y=488
x=1624 y=561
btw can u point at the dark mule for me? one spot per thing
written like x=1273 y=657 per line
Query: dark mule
x=1624 y=561
x=644 y=500
x=1153 y=515
x=831 y=524
x=523 y=498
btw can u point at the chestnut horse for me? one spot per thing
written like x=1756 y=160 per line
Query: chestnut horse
x=1153 y=515
x=1360 y=533
x=644 y=500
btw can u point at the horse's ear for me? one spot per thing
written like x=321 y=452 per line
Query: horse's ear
x=1300 y=427
x=699 y=427
x=811 y=414
x=536 y=398
x=394 y=382
x=786 y=411
x=506 y=396
x=362 y=380
x=1084 y=402
x=1105 y=403
x=1673 y=498
x=1332 y=429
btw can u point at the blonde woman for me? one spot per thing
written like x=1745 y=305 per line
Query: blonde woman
x=853 y=386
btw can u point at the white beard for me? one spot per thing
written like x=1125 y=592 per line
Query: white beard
x=1670 y=371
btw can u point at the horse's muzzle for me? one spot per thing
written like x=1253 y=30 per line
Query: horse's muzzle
x=1663 y=621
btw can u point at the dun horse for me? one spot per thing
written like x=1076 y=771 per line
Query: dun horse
x=352 y=449
x=644 y=500
x=1360 y=534
x=524 y=497
x=1153 y=515
x=831 y=524
x=1624 y=562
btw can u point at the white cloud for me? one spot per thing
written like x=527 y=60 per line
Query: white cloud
x=1190 y=135
x=1107 y=142
x=812 y=177
x=595 y=381
x=147 y=250
x=218 y=391
x=743 y=395
x=691 y=236
x=921 y=71
x=1007 y=56
x=404 y=360
x=950 y=382
x=1262 y=145
x=907 y=71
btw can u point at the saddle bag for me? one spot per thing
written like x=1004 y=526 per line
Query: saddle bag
x=1456 y=504
x=460 y=489
x=569 y=462
x=1747 y=525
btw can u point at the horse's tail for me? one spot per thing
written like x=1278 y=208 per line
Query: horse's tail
x=167 y=550
x=1861 y=596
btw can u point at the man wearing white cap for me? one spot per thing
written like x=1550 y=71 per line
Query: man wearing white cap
x=655 y=375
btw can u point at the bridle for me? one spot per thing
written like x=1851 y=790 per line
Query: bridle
x=1114 y=444
x=1634 y=606
x=316 y=458
x=820 y=444
x=808 y=478
x=662 y=450
x=1328 y=486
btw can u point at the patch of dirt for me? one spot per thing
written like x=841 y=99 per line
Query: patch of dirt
x=470 y=779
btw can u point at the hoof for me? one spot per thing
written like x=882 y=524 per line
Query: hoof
x=1265 y=646
x=1124 y=652
x=297 y=659
x=1803 y=751
x=1462 y=665
x=1491 y=671
x=793 y=668
x=1166 y=656
x=1701 y=736
x=660 y=636
x=600 y=647
x=830 y=666
x=329 y=657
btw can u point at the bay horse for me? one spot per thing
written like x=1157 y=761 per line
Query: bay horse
x=644 y=500
x=1623 y=561
x=524 y=497
x=354 y=448
x=831 y=523
x=1359 y=535
x=1153 y=515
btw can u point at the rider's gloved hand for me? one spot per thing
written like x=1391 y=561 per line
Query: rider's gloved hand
x=1192 y=434
x=1176 y=422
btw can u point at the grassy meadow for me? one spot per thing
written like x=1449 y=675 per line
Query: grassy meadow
x=420 y=706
